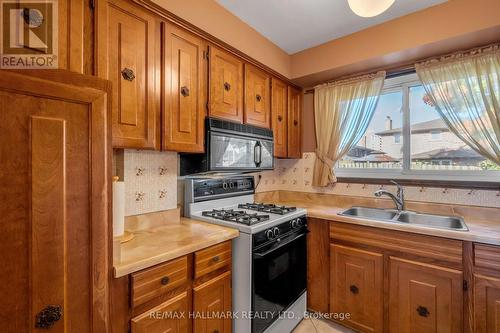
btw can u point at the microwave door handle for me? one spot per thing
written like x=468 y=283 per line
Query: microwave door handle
x=257 y=154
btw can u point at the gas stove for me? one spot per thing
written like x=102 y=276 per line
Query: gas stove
x=269 y=257
x=230 y=202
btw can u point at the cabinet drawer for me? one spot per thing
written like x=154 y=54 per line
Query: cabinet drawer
x=158 y=320
x=158 y=280
x=211 y=259
x=487 y=256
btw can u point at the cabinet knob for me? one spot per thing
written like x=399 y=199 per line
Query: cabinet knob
x=128 y=74
x=280 y=118
x=165 y=280
x=46 y=318
x=227 y=86
x=422 y=311
x=258 y=97
x=185 y=91
x=215 y=259
x=354 y=289
x=216 y=331
x=295 y=122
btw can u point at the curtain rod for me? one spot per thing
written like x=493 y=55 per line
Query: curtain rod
x=407 y=68
x=390 y=72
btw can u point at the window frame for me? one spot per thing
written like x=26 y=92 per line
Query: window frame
x=404 y=83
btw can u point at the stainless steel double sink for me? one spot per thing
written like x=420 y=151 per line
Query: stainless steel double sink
x=407 y=217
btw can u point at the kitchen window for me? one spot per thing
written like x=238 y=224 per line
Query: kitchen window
x=407 y=139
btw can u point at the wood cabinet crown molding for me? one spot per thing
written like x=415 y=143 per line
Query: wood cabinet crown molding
x=165 y=14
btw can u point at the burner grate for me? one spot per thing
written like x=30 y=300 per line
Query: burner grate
x=267 y=208
x=238 y=216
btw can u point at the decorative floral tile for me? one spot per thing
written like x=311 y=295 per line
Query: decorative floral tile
x=150 y=181
x=296 y=175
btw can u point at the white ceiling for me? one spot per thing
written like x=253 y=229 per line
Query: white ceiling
x=295 y=25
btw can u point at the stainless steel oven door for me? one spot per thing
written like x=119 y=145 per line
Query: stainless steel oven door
x=279 y=278
x=228 y=152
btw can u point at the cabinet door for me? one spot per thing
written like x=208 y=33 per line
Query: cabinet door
x=424 y=298
x=486 y=304
x=212 y=300
x=128 y=54
x=357 y=287
x=257 y=97
x=226 y=86
x=184 y=96
x=54 y=202
x=279 y=117
x=171 y=316
x=294 y=122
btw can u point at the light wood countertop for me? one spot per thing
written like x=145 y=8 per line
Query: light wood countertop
x=160 y=243
x=483 y=222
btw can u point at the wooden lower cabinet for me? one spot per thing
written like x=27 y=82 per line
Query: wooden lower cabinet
x=424 y=298
x=357 y=287
x=486 y=304
x=212 y=300
x=171 y=316
x=191 y=294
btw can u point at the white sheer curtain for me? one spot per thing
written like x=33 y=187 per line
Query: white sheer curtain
x=465 y=89
x=343 y=110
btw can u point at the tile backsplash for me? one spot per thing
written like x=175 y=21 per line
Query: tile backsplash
x=296 y=175
x=150 y=181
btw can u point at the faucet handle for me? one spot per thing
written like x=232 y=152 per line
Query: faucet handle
x=400 y=188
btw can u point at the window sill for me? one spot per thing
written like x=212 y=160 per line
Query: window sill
x=416 y=178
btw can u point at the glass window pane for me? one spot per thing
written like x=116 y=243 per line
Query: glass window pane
x=433 y=145
x=382 y=145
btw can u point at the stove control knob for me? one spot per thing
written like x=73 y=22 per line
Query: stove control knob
x=276 y=232
x=269 y=234
x=231 y=185
x=224 y=186
x=299 y=223
x=294 y=224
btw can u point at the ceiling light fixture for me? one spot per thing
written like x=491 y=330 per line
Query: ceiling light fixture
x=369 y=8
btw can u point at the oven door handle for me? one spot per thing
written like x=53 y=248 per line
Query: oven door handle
x=259 y=255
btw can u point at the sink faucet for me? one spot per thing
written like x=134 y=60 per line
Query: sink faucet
x=399 y=198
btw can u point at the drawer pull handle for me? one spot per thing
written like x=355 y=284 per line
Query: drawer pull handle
x=354 y=289
x=258 y=97
x=280 y=118
x=165 y=280
x=128 y=74
x=227 y=86
x=215 y=259
x=295 y=122
x=185 y=91
x=422 y=311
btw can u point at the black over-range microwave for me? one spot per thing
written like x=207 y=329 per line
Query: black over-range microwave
x=231 y=147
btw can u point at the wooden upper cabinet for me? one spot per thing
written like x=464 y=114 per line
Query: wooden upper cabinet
x=185 y=84
x=128 y=54
x=213 y=296
x=279 y=117
x=54 y=203
x=226 y=85
x=257 y=97
x=294 y=122
x=486 y=304
x=357 y=287
x=424 y=298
